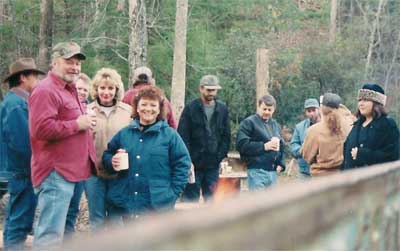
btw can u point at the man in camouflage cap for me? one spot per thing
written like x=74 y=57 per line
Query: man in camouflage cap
x=63 y=152
x=204 y=127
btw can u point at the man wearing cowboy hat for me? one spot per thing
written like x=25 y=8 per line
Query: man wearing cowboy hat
x=14 y=134
x=63 y=152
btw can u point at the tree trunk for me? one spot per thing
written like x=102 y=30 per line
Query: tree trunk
x=138 y=37
x=2 y=12
x=371 y=45
x=332 y=29
x=262 y=73
x=394 y=58
x=179 y=68
x=45 y=33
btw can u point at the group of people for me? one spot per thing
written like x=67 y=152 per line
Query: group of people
x=331 y=139
x=124 y=150
x=130 y=156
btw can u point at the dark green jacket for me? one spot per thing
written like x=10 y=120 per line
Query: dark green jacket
x=382 y=144
x=252 y=136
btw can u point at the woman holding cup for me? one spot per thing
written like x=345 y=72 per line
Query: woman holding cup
x=112 y=115
x=159 y=162
x=375 y=136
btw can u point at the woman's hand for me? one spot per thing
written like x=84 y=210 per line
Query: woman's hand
x=354 y=152
x=279 y=169
x=117 y=160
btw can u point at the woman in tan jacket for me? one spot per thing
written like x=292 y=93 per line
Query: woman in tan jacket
x=323 y=146
x=112 y=115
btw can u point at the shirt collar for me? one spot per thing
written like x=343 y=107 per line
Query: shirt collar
x=20 y=92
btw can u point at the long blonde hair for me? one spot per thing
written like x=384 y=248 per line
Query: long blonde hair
x=332 y=119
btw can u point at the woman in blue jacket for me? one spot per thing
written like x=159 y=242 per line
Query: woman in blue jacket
x=158 y=160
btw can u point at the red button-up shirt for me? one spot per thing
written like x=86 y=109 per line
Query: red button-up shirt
x=57 y=143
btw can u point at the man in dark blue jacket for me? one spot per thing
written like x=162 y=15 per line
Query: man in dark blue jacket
x=260 y=144
x=205 y=129
x=14 y=133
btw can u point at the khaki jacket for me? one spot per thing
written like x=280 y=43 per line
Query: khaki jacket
x=324 y=151
x=106 y=128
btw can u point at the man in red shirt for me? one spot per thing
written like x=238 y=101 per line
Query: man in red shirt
x=142 y=77
x=63 y=151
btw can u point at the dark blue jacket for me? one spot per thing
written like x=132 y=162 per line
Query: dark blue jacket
x=158 y=171
x=382 y=143
x=252 y=136
x=193 y=130
x=14 y=134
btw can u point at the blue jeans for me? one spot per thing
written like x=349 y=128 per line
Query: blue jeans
x=54 y=196
x=95 y=189
x=206 y=180
x=260 y=179
x=20 y=213
x=73 y=210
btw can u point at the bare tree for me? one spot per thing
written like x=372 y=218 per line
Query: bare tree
x=372 y=43
x=334 y=13
x=179 y=68
x=138 y=38
x=2 y=12
x=45 y=33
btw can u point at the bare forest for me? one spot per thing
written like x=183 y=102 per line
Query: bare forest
x=313 y=46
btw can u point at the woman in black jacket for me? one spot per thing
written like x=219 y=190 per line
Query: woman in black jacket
x=375 y=137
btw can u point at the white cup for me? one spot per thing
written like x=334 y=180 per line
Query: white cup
x=276 y=140
x=124 y=161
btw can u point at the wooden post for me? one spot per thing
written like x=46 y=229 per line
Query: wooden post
x=262 y=74
x=179 y=68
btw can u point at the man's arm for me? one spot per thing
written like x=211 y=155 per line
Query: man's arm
x=184 y=127
x=43 y=118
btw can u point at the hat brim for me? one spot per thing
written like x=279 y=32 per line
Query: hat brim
x=311 y=106
x=79 y=55
x=24 y=70
x=214 y=87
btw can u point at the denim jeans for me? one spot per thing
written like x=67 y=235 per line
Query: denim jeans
x=20 y=213
x=259 y=178
x=54 y=196
x=95 y=189
x=206 y=180
x=73 y=210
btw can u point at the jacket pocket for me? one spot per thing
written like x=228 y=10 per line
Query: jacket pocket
x=162 y=195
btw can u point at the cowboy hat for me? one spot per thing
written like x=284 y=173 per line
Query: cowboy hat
x=22 y=65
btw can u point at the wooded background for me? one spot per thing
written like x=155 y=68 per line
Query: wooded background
x=314 y=46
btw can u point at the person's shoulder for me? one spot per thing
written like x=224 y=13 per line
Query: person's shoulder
x=124 y=106
x=250 y=119
x=388 y=121
x=44 y=87
x=302 y=124
x=315 y=128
